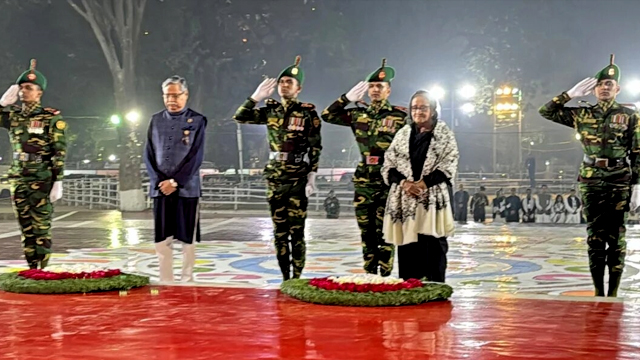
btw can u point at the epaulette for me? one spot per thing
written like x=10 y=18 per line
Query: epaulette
x=10 y=108
x=401 y=108
x=585 y=103
x=362 y=103
x=271 y=102
x=52 y=111
x=308 y=106
x=631 y=107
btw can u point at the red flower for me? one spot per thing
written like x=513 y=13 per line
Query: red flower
x=37 y=274
x=326 y=284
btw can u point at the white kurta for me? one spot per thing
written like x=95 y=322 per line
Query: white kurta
x=543 y=211
x=574 y=210
x=528 y=209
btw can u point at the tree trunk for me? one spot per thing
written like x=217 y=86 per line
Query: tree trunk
x=116 y=25
x=130 y=152
x=131 y=192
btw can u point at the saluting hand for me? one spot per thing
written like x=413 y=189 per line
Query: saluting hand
x=265 y=89
x=10 y=96
x=357 y=92
x=583 y=88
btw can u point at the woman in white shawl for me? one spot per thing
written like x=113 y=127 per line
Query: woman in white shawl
x=419 y=166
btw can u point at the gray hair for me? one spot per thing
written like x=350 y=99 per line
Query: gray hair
x=175 y=79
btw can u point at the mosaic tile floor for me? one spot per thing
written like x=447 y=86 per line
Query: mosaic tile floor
x=524 y=260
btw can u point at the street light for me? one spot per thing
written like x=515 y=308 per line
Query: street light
x=578 y=136
x=112 y=158
x=132 y=116
x=467 y=91
x=86 y=161
x=115 y=119
x=468 y=108
x=437 y=92
x=634 y=87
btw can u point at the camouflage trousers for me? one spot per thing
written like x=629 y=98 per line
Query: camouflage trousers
x=288 y=206
x=606 y=212
x=370 y=203
x=34 y=210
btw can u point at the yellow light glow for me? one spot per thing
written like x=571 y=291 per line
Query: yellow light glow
x=115 y=238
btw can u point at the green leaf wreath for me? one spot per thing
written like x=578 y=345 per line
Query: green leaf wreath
x=301 y=290
x=11 y=282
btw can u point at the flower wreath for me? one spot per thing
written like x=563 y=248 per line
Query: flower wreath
x=365 y=290
x=70 y=279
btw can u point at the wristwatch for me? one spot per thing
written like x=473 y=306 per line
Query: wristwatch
x=173 y=183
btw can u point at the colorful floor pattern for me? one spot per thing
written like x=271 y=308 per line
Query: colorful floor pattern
x=237 y=252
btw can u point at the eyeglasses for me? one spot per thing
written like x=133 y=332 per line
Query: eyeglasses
x=172 y=96
x=420 y=108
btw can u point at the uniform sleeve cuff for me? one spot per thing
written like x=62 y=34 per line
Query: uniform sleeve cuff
x=562 y=98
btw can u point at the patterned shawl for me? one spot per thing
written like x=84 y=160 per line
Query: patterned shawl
x=430 y=213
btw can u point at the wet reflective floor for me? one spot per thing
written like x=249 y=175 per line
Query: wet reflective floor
x=224 y=323
x=520 y=292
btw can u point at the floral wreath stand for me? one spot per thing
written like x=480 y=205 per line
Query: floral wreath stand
x=69 y=280
x=365 y=290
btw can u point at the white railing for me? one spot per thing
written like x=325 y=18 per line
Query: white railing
x=102 y=193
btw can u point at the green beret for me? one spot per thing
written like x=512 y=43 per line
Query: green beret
x=383 y=74
x=611 y=72
x=294 y=71
x=33 y=76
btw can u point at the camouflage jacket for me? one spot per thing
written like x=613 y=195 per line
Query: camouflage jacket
x=374 y=129
x=607 y=130
x=294 y=129
x=38 y=142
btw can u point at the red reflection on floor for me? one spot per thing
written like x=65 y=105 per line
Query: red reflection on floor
x=215 y=323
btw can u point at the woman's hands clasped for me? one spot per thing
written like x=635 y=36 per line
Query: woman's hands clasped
x=414 y=188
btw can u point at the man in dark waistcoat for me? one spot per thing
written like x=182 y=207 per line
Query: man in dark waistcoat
x=173 y=155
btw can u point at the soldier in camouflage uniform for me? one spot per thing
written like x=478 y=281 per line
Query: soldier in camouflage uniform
x=293 y=132
x=374 y=126
x=37 y=137
x=610 y=140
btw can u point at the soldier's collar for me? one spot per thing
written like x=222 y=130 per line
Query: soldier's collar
x=30 y=108
x=288 y=102
x=379 y=105
x=609 y=104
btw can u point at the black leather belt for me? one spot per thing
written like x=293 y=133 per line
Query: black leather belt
x=27 y=157
x=288 y=157
x=604 y=162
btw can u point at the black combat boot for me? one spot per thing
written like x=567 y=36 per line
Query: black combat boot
x=597 y=275
x=614 y=282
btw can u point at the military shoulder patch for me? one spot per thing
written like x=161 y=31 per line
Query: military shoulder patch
x=271 y=102
x=401 y=108
x=308 y=106
x=11 y=108
x=61 y=125
x=52 y=111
